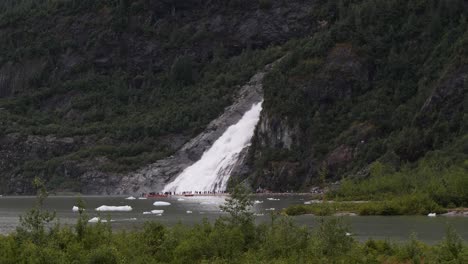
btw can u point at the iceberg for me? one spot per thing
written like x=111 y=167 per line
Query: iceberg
x=97 y=219
x=160 y=203
x=105 y=208
x=156 y=212
x=432 y=214
x=94 y=220
x=75 y=209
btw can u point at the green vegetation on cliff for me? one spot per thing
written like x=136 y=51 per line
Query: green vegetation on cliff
x=127 y=82
x=365 y=84
x=379 y=97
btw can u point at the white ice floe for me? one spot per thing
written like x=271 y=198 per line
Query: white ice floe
x=258 y=202
x=181 y=199
x=130 y=198
x=142 y=198
x=125 y=208
x=189 y=212
x=273 y=199
x=161 y=203
x=75 y=209
x=94 y=220
x=97 y=219
x=155 y=212
x=432 y=214
x=270 y=209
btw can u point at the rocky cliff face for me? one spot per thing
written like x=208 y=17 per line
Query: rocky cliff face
x=117 y=96
x=64 y=57
x=155 y=176
x=284 y=146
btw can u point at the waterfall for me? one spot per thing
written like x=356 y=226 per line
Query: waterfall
x=213 y=170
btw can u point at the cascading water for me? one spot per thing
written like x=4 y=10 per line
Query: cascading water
x=212 y=171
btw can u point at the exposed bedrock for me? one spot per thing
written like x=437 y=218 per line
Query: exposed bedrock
x=156 y=175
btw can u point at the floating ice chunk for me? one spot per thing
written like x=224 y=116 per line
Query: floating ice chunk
x=94 y=220
x=181 y=199
x=125 y=208
x=160 y=203
x=258 y=202
x=273 y=199
x=130 y=198
x=142 y=198
x=432 y=214
x=75 y=209
x=270 y=209
x=189 y=212
x=155 y=212
x=97 y=219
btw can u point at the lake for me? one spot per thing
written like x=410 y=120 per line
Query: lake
x=394 y=228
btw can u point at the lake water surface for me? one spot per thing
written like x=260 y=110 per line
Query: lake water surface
x=394 y=228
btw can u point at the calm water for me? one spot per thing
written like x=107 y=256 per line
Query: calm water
x=395 y=228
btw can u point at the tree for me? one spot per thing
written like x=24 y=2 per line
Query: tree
x=34 y=222
x=238 y=206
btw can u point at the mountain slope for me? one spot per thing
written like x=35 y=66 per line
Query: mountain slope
x=368 y=90
x=114 y=85
x=383 y=82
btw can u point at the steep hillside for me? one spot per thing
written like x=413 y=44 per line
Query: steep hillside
x=113 y=85
x=380 y=90
x=367 y=91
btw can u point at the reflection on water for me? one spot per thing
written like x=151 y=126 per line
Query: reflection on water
x=191 y=210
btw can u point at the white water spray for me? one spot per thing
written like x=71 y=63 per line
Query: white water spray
x=212 y=171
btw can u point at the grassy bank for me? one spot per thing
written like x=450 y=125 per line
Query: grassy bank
x=405 y=205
